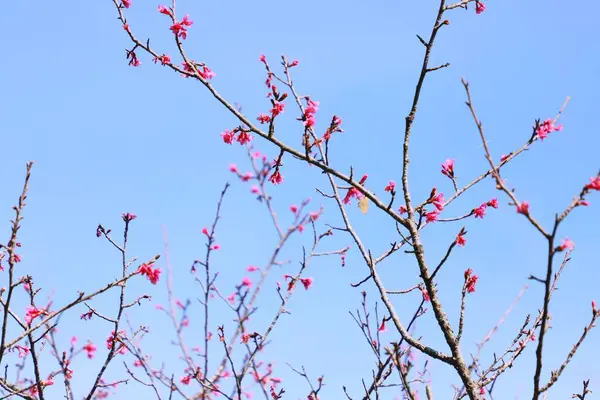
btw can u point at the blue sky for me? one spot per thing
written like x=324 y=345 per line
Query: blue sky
x=108 y=138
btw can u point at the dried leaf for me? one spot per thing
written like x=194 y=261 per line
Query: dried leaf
x=363 y=204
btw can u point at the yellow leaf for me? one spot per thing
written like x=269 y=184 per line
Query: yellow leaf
x=363 y=204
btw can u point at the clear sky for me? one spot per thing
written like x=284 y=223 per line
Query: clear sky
x=108 y=138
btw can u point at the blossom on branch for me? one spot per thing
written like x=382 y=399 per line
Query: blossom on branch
x=263 y=118
x=179 y=28
x=164 y=59
x=90 y=349
x=431 y=216
x=152 y=274
x=128 y=217
x=164 y=10
x=117 y=339
x=32 y=313
x=460 y=239
x=594 y=183
x=479 y=7
x=276 y=178
x=448 y=168
x=391 y=187
x=480 y=211
x=567 y=244
x=438 y=201
x=354 y=192
x=546 y=127
x=523 y=208
x=470 y=280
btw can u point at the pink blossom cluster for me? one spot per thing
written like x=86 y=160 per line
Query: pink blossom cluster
x=153 y=274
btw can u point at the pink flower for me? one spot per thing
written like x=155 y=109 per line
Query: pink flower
x=312 y=106
x=186 y=21
x=448 y=168
x=180 y=28
x=307 y=282
x=293 y=64
x=126 y=3
x=493 y=203
x=438 y=201
x=594 y=184
x=402 y=210
x=425 y=295
x=119 y=346
x=228 y=136
x=470 y=280
x=164 y=10
x=432 y=216
x=503 y=157
x=247 y=176
x=233 y=168
x=480 y=211
x=87 y=316
x=23 y=351
x=382 y=327
x=584 y=203
x=128 y=217
x=310 y=121
x=294 y=208
x=309 y=113
x=352 y=192
x=164 y=59
x=252 y=268
x=90 y=349
x=314 y=215
x=247 y=282
x=244 y=137
x=594 y=305
x=391 y=187
x=479 y=7
x=137 y=363
x=231 y=298
x=546 y=127
x=152 y=274
x=216 y=247
x=207 y=73
x=277 y=109
x=523 y=208
x=567 y=244
x=263 y=58
x=245 y=337
x=460 y=240
x=276 y=178
x=263 y=118
x=255 y=189
x=32 y=313
x=185 y=379
x=205 y=231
